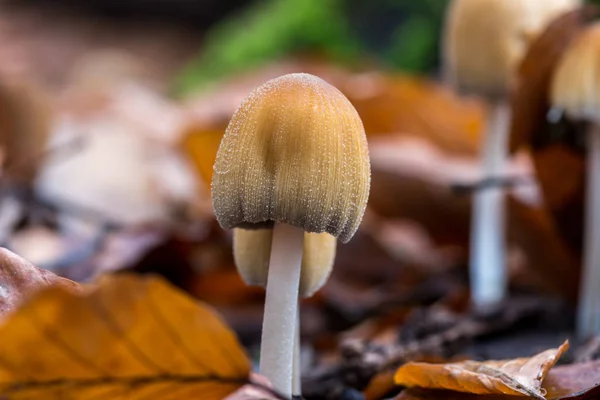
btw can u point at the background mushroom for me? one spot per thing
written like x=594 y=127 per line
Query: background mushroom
x=294 y=158
x=574 y=90
x=484 y=41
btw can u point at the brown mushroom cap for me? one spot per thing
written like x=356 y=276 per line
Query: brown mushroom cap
x=485 y=39
x=576 y=82
x=252 y=250
x=295 y=152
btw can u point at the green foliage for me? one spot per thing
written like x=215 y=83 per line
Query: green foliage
x=415 y=42
x=269 y=30
x=272 y=29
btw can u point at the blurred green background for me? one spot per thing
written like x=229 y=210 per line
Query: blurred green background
x=395 y=34
x=399 y=34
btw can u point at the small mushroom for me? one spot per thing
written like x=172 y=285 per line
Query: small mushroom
x=294 y=159
x=483 y=43
x=575 y=90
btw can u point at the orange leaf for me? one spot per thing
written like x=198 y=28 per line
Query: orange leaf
x=417 y=107
x=518 y=377
x=568 y=382
x=201 y=146
x=127 y=337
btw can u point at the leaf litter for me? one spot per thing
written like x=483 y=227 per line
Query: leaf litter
x=397 y=299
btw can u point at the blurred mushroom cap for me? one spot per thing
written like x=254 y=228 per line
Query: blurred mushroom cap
x=252 y=250
x=294 y=152
x=486 y=39
x=576 y=82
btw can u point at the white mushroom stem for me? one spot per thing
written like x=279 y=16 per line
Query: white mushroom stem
x=297 y=366
x=487 y=258
x=281 y=307
x=588 y=319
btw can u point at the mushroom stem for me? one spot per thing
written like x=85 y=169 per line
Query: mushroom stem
x=297 y=366
x=487 y=258
x=281 y=305
x=588 y=318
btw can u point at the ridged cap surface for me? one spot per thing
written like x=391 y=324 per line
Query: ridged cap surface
x=294 y=152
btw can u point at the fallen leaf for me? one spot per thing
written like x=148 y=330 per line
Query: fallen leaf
x=201 y=147
x=518 y=377
x=19 y=279
x=574 y=382
x=555 y=268
x=379 y=386
x=143 y=182
x=416 y=107
x=568 y=382
x=126 y=337
x=428 y=394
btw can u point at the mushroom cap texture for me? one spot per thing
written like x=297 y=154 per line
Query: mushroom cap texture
x=576 y=82
x=294 y=152
x=486 y=39
x=252 y=251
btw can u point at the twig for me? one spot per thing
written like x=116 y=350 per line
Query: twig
x=463 y=189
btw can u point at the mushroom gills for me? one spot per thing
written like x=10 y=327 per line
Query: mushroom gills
x=252 y=250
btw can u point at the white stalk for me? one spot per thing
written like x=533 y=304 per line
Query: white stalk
x=297 y=366
x=588 y=318
x=281 y=307
x=487 y=270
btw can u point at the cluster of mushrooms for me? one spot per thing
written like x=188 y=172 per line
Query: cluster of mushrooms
x=485 y=40
x=292 y=173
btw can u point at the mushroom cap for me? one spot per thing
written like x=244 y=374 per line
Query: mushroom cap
x=252 y=250
x=576 y=81
x=486 y=39
x=294 y=152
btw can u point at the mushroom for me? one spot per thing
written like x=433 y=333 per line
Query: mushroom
x=574 y=90
x=294 y=159
x=484 y=41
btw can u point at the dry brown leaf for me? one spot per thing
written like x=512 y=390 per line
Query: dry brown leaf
x=127 y=337
x=416 y=107
x=568 y=382
x=379 y=386
x=555 y=267
x=19 y=279
x=518 y=377
x=574 y=382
